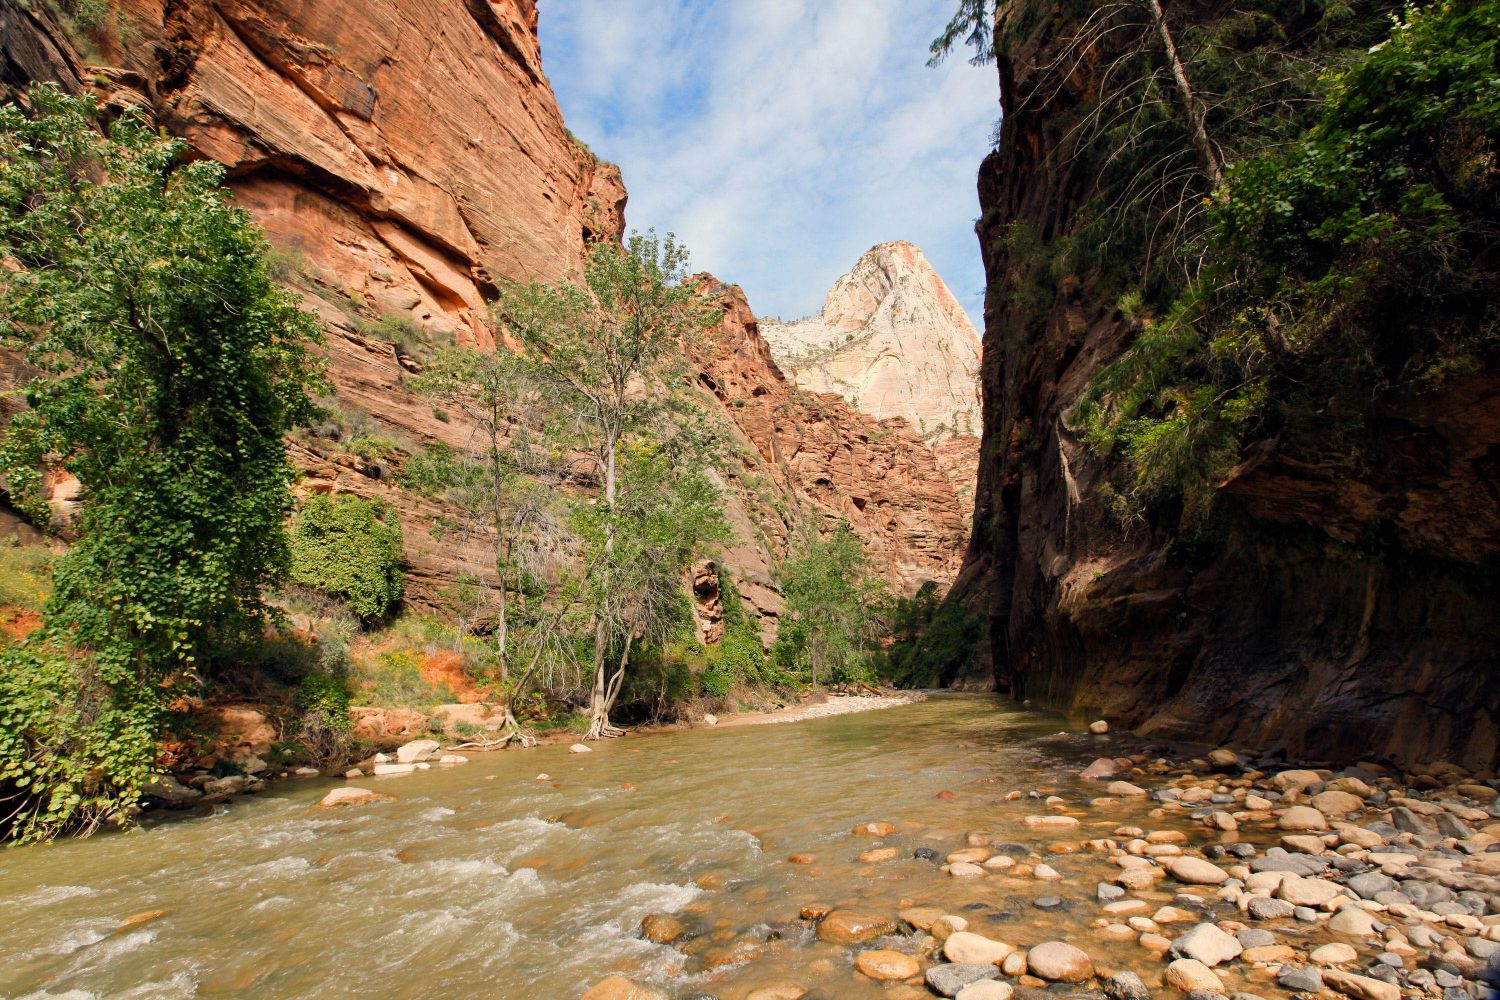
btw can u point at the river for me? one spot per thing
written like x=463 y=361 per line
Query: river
x=485 y=880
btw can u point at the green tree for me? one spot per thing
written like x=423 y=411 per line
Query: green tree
x=666 y=512
x=167 y=366
x=609 y=357
x=492 y=483
x=833 y=606
x=351 y=548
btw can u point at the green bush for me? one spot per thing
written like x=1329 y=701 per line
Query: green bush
x=716 y=681
x=25 y=576
x=328 y=697
x=350 y=548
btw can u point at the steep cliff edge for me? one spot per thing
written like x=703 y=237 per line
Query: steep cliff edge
x=405 y=157
x=892 y=340
x=1335 y=611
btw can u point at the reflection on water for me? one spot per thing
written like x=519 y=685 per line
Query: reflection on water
x=482 y=881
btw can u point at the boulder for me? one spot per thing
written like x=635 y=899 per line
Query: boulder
x=388 y=770
x=347 y=796
x=620 y=988
x=659 y=928
x=1337 y=953
x=1302 y=818
x=1301 y=891
x=1207 y=944
x=886 y=965
x=849 y=927
x=986 y=989
x=1196 y=871
x=1361 y=987
x=168 y=789
x=947 y=980
x=580 y=748
x=966 y=947
x=1188 y=974
x=1099 y=728
x=1335 y=803
x=1104 y=767
x=1059 y=962
x=417 y=750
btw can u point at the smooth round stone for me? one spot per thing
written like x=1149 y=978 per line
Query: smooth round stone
x=1299 y=979
x=1196 y=871
x=1353 y=921
x=1252 y=937
x=965 y=869
x=1267 y=908
x=1302 y=818
x=1334 y=954
x=620 y=988
x=1105 y=892
x=886 y=965
x=966 y=947
x=1188 y=974
x=986 y=989
x=662 y=929
x=1126 y=986
x=1059 y=962
x=1047 y=903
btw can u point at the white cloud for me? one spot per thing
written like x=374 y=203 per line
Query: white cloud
x=781 y=138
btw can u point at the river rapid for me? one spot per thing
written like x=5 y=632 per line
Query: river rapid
x=484 y=881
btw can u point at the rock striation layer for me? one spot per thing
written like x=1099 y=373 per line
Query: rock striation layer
x=1292 y=629
x=892 y=340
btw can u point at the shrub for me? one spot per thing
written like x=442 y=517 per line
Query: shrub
x=351 y=548
x=326 y=696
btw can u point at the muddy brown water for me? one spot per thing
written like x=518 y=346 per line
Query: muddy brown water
x=482 y=881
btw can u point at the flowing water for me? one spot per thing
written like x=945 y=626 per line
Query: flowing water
x=484 y=881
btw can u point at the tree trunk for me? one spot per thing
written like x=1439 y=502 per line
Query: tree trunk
x=599 y=703
x=1192 y=108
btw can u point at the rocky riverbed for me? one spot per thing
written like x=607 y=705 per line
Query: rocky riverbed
x=1217 y=876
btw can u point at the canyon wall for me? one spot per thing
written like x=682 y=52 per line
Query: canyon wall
x=404 y=157
x=1335 y=614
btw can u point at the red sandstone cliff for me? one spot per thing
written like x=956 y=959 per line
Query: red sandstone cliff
x=406 y=156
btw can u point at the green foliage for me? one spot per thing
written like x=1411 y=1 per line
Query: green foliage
x=25 y=576
x=351 y=548
x=830 y=630
x=1348 y=263
x=169 y=365
x=973 y=24
x=327 y=696
x=394 y=678
x=932 y=640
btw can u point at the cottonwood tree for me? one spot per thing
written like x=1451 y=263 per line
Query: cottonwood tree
x=166 y=366
x=608 y=355
x=833 y=605
x=493 y=483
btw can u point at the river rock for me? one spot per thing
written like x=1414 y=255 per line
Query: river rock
x=1188 y=974
x=416 y=750
x=1337 y=953
x=965 y=869
x=580 y=748
x=778 y=991
x=966 y=947
x=1221 y=820
x=849 y=927
x=1267 y=908
x=1104 y=767
x=1368 y=885
x=1336 y=803
x=231 y=785
x=921 y=917
x=1099 y=728
x=1299 y=979
x=1353 y=921
x=1296 y=780
x=1301 y=891
x=1223 y=757
x=347 y=796
x=946 y=980
x=1302 y=818
x=662 y=929
x=1362 y=987
x=986 y=989
x=886 y=965
x=874 y=830
x=1124 y=790
x=1450 y=825
x=1196 y=871
x=620 y=988
x=1059 y=962
x=879 y=854
x=390 y=770
x=168 y=789
x=1126 y=986
x=1046 y=822
x=946 y=926
x=710 y=719
x=1207 y=944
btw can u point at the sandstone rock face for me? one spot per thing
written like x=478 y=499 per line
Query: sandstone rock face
x=892 y=340
x=1276 y=633
x=806 y=455
x=404 y=158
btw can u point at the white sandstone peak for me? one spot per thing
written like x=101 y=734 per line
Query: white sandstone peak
x=892 y=340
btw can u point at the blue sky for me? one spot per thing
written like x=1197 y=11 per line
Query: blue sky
x=781 y=138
